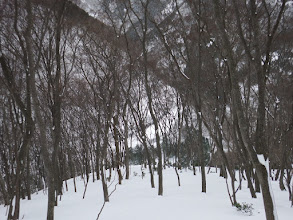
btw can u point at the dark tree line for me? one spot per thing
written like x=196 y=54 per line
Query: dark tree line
x=196 y=83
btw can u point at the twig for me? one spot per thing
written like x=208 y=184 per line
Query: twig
x=109 y=197
x=101 y=210
x=105 y=202
x=230 y=197
x=112 y=181
x=85 y=189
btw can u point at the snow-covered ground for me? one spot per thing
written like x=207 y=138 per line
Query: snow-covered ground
x=135 y=199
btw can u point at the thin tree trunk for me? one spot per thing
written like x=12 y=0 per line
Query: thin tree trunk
x=149 y=97
x=4 y=191
x=126 y=147
x=144 y=143
x=178 y=177
x=104 y=152
x=201 y=153
x=127 y=165
x=28 y=177
x=281 y=180
x=104 y=183
x=116 y=139
x=98 y=146
x=249 y=182
x=15 y=215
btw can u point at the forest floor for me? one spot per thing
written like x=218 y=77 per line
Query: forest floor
x=135 y=199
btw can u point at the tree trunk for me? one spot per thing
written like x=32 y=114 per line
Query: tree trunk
x=144 y=143
x=127 y=165
x=201 y=154
x=98 y=159
x=28 y=177
x=17 y=192
x=249 y=182
x=149 y=97
x=3 y=191
x=126 y=147
x=51 y=196
x=104 y=152
x=116 y=139
x=104 y=183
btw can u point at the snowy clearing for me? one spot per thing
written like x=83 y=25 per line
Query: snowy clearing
x=135 y=199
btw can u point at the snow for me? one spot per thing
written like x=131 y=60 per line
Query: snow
x=135 y=199
x=261 y=159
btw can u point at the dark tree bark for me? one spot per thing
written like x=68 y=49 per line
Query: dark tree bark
x=117 y=159
x=258 y=156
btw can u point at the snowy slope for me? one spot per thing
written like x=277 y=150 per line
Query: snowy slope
x=135 y=199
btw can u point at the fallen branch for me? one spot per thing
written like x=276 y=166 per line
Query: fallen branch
x=109 y=196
